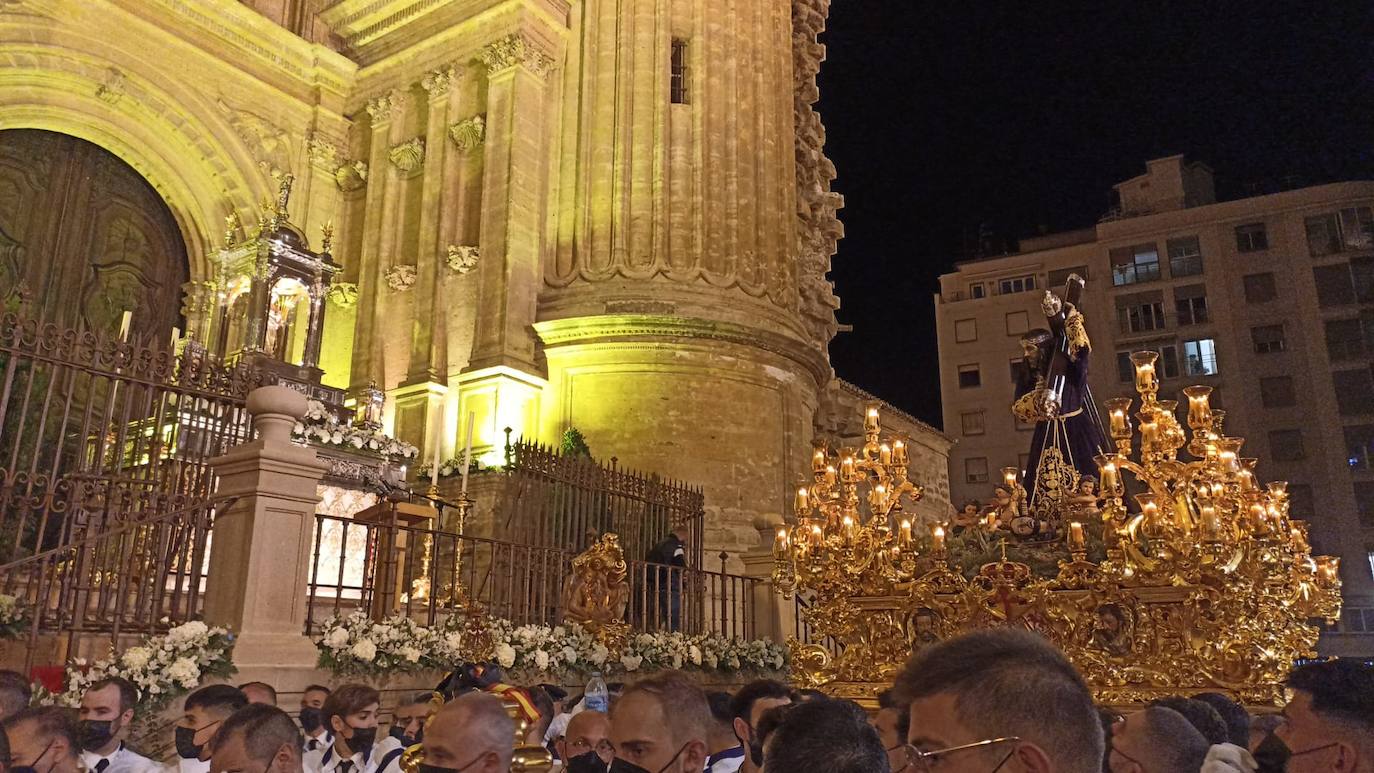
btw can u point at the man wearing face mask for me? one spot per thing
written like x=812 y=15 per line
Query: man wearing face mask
x=660 y=725
x=259 y=737
x=1328 y=724
x=350 y=713
x=43 y=740
x=727 y=754
x=586 y=746
x=750 y=703
x=317 y=736
x=1156 y=740
x=470 y=734
x=201 y=716
x=407 y=729
x=107 y=710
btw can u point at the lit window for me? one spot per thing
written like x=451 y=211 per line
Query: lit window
x=976 y=469
x=972 y=422
x=1200 y=357
x=1185 y=256
x=969 y=376
x=678 y=81
x=1252 y=237
x=965 y=330
x=1138 y=263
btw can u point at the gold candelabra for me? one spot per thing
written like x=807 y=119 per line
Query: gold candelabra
x=1207 y=581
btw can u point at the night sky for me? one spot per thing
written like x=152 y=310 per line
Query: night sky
x=945 y=116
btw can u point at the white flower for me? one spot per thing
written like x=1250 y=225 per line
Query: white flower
x=541 y=660
x=694 y=655
x=505 y=655
x=135 y=658
x=630 y=662
x=187 y=632
x=336 y=638
x=569 y=655
x=185 y=672
x=411 y=654
x=599 y=654
x=364 y=650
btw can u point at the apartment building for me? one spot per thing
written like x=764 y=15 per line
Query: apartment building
x=1268 y=299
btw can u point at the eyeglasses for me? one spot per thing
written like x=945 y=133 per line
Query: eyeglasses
x=580 y=747
x=922 y=762
x=1128 y=757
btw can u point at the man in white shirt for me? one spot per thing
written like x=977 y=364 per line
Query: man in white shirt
x=107 y=711
x=202 y=714
x=317 y=736
x=351 y=712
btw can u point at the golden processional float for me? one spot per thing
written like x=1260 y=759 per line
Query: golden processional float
x=1204 y=583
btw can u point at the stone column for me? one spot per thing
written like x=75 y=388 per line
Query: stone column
x=373 y=257
x=773 y=614
x=438 y=84
x=260 y=555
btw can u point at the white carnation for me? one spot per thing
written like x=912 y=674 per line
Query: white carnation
x=135 y=657
x=364 y=650
x=630 y=662
x=336 y=639
x=410 y=653
x=694 y=655
x=184 y=671
x=599 y=654
x=505 y=655
x=541 y=660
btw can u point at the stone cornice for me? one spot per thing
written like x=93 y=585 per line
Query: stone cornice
x=373 y=29
x=645 y=328
x=516 y=50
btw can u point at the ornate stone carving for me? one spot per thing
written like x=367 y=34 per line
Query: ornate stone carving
x=323 y=153
x=351 y=176
x=408 y=156
x=516 y=49
x=469 y=134
x=820 y=230
x=343 y=294
x=384 y=108
x=268 y=143
x=111 y=90
x=437 y=83
x=463 y=257
x=595 y=594
x=400 y=278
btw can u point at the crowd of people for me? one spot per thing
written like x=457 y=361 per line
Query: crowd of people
x=994 y=701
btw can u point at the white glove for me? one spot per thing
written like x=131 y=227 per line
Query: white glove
x=1228 y=758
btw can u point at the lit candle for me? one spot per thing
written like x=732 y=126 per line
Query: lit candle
x=1199 y=407
x=847 y=469
x=817 y=536
x=1257 y=517
x=818 y=460
x=871 y=418
x=467 y=454
x=1149 y=433
x=1077 y=541
x=1148 y=508
x=780 y=543
x=849 y=528
x=803 y=504
x=830 y=475
x=1107 y=468
x=1211 y=525
x=899 y=452
x=1145 y=382
x=1119 y=423
x=905 y=533
x=438 y=451
x=1009 y=475
x=937 y=539
x=885 y=454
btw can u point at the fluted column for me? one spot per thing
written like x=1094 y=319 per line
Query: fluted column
x=367 y=341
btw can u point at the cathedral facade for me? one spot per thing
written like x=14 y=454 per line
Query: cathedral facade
x=613 y=216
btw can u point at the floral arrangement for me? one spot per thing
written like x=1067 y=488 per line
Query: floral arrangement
x=357 y=646
x=162 y=667
x=12 y=617
x=320 y=425
x=448 y=467
x=400 y=278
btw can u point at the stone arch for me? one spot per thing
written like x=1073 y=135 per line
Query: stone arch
x=166 y=130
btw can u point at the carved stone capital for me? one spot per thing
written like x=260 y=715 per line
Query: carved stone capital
x=438 y=83
x=408 y=156
x=111 y=89
x=386 y=107
x=514 y=50
x=351 y=176
x=323 y=153
x=468 y=134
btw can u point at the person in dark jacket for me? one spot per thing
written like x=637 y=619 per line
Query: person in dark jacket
x=671 y=555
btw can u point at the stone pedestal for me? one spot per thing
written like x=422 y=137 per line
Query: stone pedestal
x=260 y=558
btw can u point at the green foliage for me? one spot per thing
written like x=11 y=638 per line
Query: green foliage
x=973 y=548
x=574 y=443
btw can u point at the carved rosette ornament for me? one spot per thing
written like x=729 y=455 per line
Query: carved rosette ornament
x=343 y=294
x=351 y=176
x=462 y=258
x=400 y=278
x=408 y=157
x=516 y=50
x=468 y=134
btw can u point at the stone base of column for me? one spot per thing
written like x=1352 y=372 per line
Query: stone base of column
x=272 y=651
x=420 y=409
x=498 y=398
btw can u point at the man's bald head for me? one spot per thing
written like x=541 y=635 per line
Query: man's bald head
x=589 y=721
x=588 y=732
x=471 y=730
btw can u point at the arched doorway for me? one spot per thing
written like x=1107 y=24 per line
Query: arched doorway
x=84 y=238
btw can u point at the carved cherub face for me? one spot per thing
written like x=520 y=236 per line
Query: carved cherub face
x=1087 y=486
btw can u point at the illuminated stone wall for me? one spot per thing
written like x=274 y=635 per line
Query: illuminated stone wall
x=535 y=230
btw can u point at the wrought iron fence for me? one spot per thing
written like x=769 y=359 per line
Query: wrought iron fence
x=565 y=501
x=806 y=633
x=383 y=569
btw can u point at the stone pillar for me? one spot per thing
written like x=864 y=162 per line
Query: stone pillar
x=260 y=555
x=773 y=614
x=367 y=338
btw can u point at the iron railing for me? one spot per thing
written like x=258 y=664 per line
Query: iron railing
x=384 y=569
x=566 y=501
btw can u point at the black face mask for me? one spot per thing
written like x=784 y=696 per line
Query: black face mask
x=187 y=748
x=34 y=767
x=399 y=733
x=311 y=719
x=1272 y=754
x=586 y=763
x=423 y=768
x=362 y=739
x=755 y=748
x=95 y=733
